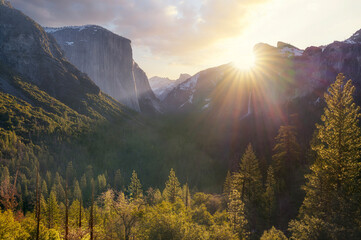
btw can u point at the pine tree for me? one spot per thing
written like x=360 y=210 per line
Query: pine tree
x=49 y=178
x=66 y=212
x=75 y=214
x=331 y=207
x=91 y=217
x=172 y=187
x=4 y=173
x=248 y=181
x=227 y=186
x=273 y=234
x=286 y=152
x=135 y=187
x=77 y=191
x=270 y=194
x=236 y=215
x=37 y=204
x=186 y=195
x=101 y=182
x=58 y=187
x=52 y=210
x=44 y=189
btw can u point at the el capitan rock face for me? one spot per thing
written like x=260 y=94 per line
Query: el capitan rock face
x=107 y=59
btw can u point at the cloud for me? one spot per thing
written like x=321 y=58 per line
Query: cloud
x=165 y=27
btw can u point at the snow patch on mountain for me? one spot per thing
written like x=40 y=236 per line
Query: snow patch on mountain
x=79 y=28
x=288 y=51
x=349 y=41
x=354 y=39
x=206 y=106
x=163 y=86
x=190 y=84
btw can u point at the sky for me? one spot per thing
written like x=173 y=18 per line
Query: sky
x=170 y=37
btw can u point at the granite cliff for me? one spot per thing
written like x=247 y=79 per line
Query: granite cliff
x=108 y=60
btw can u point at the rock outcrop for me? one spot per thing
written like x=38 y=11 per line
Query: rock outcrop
x=28 y=52
x=108 y=60
x=148 y=103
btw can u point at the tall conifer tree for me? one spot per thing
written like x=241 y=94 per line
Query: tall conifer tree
x=135 y=187
x=331 y=208
x=286 y=152
x=248 y=181
x=172 y=187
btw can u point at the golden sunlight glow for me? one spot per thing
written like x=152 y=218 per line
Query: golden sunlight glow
x=244 y=62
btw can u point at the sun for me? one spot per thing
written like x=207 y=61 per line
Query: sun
x=244 y=61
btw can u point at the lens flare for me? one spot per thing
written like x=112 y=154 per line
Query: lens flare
x=244 y=62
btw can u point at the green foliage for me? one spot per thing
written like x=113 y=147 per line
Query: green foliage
x=101 y=183
x=77 y=195
x=248 y=180
x=269 y=195
x=186 y=195
x=236 y=214
x=82 y=148
x=169 y=221
x=201 y=216
x=286 y=153
x=312 y=228
x=248 y=183
x=29 y=225
x=135 y=187
x=75 y=213
x=172 y=189
x=10 y=228
x=222 y=232
x=52 y=215
x=331 y=208
x=213 y=202
x=153 y=196
x=227 y=186
x=273 y=234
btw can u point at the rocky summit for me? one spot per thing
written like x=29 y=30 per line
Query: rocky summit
x=108 y=60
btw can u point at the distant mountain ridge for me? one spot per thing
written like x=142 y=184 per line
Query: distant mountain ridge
x=303 y=71
x=108 y=60
x=162 y=86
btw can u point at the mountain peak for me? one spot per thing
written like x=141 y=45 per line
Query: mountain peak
x=288 y=49
x=183 y=77
x=282 y=48
x=283 y=45
x=355 y=38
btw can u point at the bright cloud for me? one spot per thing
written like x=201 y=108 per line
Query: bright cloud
x=168 y=27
